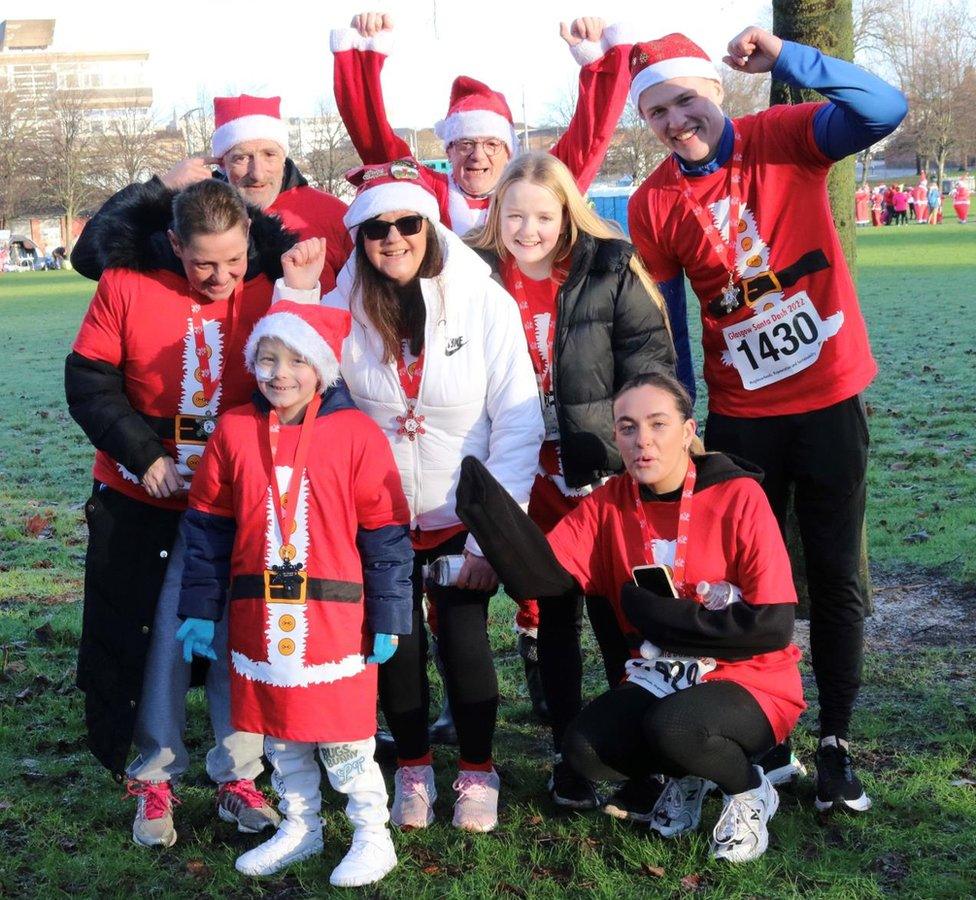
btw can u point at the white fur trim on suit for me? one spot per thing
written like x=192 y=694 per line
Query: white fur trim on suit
x=620 y=33
x=679 y=67
x=250 y=128
x=311 y=296
x=341 y=39
x=389 y=197
x=301 y=337
x=474 y=124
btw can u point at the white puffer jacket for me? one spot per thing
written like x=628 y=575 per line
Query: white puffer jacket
x=478 y=391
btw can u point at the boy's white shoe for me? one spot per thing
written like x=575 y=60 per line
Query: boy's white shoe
x=414 y=795
x=292 y=842
x=678 y=809
x=741 y=834
x=369 y=858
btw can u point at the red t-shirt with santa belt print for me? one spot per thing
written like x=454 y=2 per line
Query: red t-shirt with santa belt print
x=142 y=324
x=799 y=348
x=733 y=537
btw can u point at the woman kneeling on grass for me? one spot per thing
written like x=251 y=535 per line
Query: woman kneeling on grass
x=713 y=682
x=313 y=545
x=437 y=358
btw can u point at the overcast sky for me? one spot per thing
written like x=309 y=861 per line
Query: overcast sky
x=283 y=48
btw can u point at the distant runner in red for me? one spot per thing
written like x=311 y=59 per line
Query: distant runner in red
x=960 y=201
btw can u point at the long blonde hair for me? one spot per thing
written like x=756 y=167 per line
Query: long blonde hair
x=544 y=170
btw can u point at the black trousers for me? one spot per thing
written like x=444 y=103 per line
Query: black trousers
x=823 y=456
x=714 y=730
x=128 y=549
x=469 y=669
x=561 y=656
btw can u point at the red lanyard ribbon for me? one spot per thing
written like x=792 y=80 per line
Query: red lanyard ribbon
x=208 y=382
x=541 y=365
x=286 y=507
x=725 y=250
x=410 y=375
x=684 y=527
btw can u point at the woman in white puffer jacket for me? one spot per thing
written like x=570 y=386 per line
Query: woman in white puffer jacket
x=437 y=358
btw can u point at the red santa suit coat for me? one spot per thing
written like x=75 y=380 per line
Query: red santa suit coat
x=734 y=537
x=298 y=668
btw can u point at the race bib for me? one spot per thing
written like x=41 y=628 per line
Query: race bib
x=779 y=342
x=668 y=674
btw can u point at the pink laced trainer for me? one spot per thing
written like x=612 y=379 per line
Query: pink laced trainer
x=153 y=824
x=242 y=804
x=414 y=795
x=476 y=807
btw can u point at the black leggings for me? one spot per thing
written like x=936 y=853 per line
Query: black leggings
x=714 y=730
x=561 y=658
x=469 y=670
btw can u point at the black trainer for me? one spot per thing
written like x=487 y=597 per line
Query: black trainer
x=634 y=800
x=571 y=790
x=837 y=785
x=780 y=765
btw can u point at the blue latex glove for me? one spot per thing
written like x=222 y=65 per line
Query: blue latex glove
x=197 y=636
x=384 y=646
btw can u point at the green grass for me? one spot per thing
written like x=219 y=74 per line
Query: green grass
x=64 y=827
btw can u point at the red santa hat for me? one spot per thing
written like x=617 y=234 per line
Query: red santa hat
x=389 y=187
x=672 y=56
x=475 y=110
x=247 y=118
x=314 y=331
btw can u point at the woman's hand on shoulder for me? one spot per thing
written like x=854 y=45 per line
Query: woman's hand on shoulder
x=369 y=24
x=477 y=574
x=302 y=265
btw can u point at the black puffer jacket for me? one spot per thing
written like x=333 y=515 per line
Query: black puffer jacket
x=607 y=331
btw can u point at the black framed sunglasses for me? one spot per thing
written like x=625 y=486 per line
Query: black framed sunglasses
x=377 y=229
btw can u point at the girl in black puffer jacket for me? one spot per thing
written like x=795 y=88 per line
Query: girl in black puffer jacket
x=593 y=320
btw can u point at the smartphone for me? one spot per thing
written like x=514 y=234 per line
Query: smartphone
x=655 y=578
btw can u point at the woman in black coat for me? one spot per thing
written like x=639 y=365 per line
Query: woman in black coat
x=593 y=320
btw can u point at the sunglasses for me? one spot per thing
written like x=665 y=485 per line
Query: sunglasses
x=377 y=229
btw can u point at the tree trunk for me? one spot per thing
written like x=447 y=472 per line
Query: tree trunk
x=827 y=25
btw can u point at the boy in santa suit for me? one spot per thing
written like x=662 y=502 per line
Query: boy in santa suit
x=960 y=201
x=785 y=345
x=315 y=551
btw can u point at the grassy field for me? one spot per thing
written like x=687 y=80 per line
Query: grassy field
x=64 y=826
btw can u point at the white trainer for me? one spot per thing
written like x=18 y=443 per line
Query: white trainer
x=741 y=834
x=292 y=842
x=678 y=809
x=369 y=858
x=476 y=807
x=413 y=797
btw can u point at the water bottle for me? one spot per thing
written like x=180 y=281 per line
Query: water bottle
x=718 y=595
x=444 y=570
